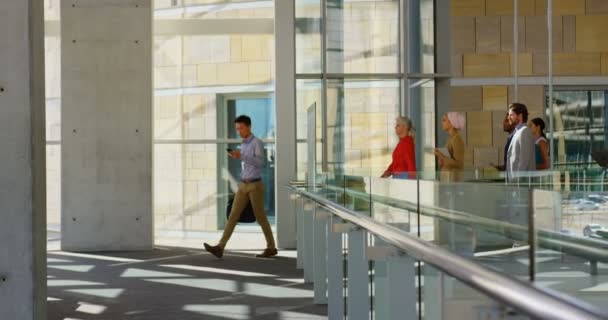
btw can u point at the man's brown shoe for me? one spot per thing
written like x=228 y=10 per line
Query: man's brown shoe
x=268 y=252
x=215 y=250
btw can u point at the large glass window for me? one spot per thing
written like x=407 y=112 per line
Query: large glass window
x=213 y=60
x=364 y=79
x=422 y=36
x=362 y=36
x=579 y=126
x=309 y=95
x=360 y=125
x=308 y=36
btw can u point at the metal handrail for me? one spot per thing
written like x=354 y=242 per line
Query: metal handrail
x=585 y=248
x=532 y=301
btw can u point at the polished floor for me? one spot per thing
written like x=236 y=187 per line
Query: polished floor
x=172 y=283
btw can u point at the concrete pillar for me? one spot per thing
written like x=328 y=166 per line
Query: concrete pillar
x=106 y=130
x=285 y=83
x=22 y=161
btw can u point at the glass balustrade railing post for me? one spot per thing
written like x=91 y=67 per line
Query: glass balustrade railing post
x=320 y=255
x=395 y=294
x=433 y=294
x=307 y=243
x=358 y=303
x=299 y=204
x=378 y=254
x=335 y=269
x=401 y=289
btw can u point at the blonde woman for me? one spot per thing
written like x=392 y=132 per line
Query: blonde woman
x=404 y=155
x=453 y=163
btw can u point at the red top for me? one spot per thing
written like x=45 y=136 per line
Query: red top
x=404 y=157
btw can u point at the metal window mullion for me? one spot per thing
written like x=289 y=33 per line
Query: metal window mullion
x=207 y=141
x=403 y=57
x=442 y=60
x=550 y=77
x=324 y=150
x=380 y=76
x=308 y=76
x=516 y=49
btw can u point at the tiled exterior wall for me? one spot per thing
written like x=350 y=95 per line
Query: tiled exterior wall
x=482 y=46
x=485 y=108
x=362 y=38
x=482 y=38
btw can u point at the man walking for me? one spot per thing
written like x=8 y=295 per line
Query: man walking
x=520 y=155
x=251 y=189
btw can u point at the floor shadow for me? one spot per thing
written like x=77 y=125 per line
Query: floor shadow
x=177 y=283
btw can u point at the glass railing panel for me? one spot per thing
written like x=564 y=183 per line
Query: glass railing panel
x=572 y=243
x=446 y=298
x=484 y=221
x=394 y=202
x=357 y=195
x=384 y=284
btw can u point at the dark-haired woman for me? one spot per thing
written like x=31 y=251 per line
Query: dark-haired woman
x=537 y=125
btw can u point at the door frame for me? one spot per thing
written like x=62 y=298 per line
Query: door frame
x=223 y=140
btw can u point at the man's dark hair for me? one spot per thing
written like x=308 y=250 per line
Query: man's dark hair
x=520 y=108
x=244 y=120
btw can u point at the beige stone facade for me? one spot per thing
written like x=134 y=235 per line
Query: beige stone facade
x=482 y=47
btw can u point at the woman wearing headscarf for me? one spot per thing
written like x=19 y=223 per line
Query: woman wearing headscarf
x=453 y=163
x=541 y=144
x=460 y=238
x=404 y=155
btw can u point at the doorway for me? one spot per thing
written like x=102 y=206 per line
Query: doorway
x=260 y=108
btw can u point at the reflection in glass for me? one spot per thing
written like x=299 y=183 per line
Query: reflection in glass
x=362 y=37
x=578 y=220
x=423 y=117
x=213 y=9
x=579 y=126
x=444 y=297
x=360 y=120
x=308 y=93
x=308 y=36
x=422 y=36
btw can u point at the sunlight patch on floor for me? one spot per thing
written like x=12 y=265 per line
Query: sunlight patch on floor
x=90 y=308
x=142 y=273
x=228 y=311
x=73 y=268
x=101 y=293
x=218 y=270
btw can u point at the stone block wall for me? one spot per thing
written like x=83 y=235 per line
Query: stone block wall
x=482 y=47
x=482 y=38
x=485 y=108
